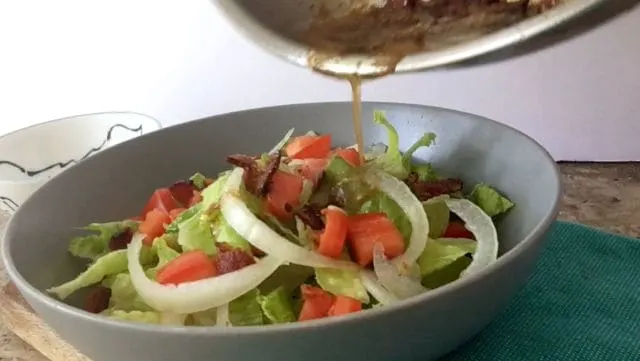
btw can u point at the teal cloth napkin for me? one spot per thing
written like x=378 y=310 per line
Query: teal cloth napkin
x=582 y=303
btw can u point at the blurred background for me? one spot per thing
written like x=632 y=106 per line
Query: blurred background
x=179 y=60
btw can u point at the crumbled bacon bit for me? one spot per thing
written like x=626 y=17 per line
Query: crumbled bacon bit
x=256 y=180
x=121 y=240
x=230 y=259
x=425 y=190
x=98 y=300
x=310 y=216
x=182 y=192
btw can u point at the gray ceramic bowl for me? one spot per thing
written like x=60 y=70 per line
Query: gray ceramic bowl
x=115 y=183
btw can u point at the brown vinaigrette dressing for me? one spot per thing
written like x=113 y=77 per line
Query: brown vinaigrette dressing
x=401 y=28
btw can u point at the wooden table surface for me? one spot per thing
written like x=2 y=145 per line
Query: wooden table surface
x=601 y=195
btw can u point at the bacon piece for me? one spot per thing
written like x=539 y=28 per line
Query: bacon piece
x=256 y=180
x=230 y=259
x=121 y=240
x=430 y=189
x=98 y=300
x=182 y=192
x=310 y=216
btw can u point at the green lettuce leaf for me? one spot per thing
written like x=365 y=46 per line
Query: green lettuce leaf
x=196 y=234
x=342 y=282
x=438 y=214
x=150 y=317
x=446 y=274
x=440 y=253
x=288 y=277
x=198 y=180
x=174 y=226
x=94 y=246
x=110 y=264
x=246 y=310
x=224 y=233
x=212 y=194
x=491 y=202
x=391 y=161
x=337 y=170
x=425 y=172
x=277 y=306
x=124 y=296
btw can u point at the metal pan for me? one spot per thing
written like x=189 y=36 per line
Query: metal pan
x=273 y=25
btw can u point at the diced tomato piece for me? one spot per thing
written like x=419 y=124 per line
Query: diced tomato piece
x=350 y=155
x=175 y=213
x=309 y=146
x=188 y=267
x=312 y=169
x=365 y=230
x=317 y=303
x=161 y=199
x=332 y=239
x=153 y=225
x=344 y=305
x=457 y=230
x=284 y=194
x=195 y=198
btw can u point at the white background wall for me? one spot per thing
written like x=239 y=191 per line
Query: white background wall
x=178 y=60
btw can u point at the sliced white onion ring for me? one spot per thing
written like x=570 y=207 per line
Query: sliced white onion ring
x=261 y=236
x=200 y=295
x=482 y=227
x=376 y=289
x=222 y=316
x=410 y=204
x=391 y=277
x=276 y=148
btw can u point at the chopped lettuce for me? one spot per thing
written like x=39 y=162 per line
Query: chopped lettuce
x=288 y=277
x=438 y=214
x=440 y=253
x=491 y=202
x=307 y=192
x=124 y=296
x=283 y=142
x=337 y=169
x=425 y=172
x=342 y=282
x=212 y=194
x=95 y=246
x=391 y=161
x=446 y=274
x=382 y=203
x=397 y=164
x=110 y=264
x=196 y=234
x=246 y=310
x=174 y=226
x=277 y=307
x=226 y=234
x=198 y=180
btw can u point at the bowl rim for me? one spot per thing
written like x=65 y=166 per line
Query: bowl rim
x=537 y=233
x=298 y=54
x=35 y=180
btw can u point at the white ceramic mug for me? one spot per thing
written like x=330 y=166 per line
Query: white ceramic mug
x=31 y=156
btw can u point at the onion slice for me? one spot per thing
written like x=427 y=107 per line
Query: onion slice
x=410 y=204
x=392 y=278
x=261 y=236
x=481 y=225
x=222 y=316
x=200 y=295
x=376 y=289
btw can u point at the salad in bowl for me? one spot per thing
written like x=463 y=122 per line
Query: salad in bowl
x=301 y=232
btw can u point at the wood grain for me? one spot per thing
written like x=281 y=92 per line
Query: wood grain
x=18 y=317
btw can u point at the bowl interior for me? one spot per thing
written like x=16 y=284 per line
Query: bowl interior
x=115 y=183
x=43 y=150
